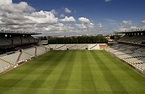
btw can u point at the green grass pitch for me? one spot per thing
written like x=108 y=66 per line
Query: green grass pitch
x=73 y=72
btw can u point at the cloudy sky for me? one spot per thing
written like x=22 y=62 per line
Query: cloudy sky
x=72 y=17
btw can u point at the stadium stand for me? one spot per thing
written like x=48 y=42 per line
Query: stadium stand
x=41 y=50
x=131 y=50
x=133 y=38
x=16 y=40
x=17 y=48
x=98 y=46
x=4 y=41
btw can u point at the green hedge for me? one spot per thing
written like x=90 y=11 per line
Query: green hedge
x=79 y=40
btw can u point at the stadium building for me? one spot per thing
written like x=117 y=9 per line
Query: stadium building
x=131 y=49
x=18 y=47
x=81 y=68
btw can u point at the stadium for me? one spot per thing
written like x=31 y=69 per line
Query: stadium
x=27 y=67
x=72 y=47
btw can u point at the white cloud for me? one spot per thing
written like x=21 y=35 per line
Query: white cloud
x=128 y=28
x=110 y=20
x=58 y=28
x=68 y=19
x=133 y=27
x=54 y=11
x=123 y=29
x=54 y=28
x=143 y=27
x=62 y=15
x=127 y=22
x=99 y=25
x=42 y=17
x=81 y=26
x=126 y=25
x=23 y=17
x=5 y=2
x=21 y=7
x=85 y=27
x=143 y=21
x=91 y=25
x=0 y=21
x=108 y=0
x=67 y=10
x=84 y=20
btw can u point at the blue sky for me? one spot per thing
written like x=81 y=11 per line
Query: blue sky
x=87 y=16
x=95 y=9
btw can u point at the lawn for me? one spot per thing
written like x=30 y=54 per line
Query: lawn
x=73 y=72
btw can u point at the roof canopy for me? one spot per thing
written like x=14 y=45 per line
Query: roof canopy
x=18 y=32
x=136 y=31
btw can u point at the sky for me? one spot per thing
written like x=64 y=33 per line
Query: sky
x=72 y=17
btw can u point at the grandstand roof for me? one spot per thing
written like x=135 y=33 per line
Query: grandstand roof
x=131 y=31
x=17 y=32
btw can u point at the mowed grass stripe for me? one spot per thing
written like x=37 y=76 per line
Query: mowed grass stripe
x=88 y=72
x=51 y=81
x=114 y=83
x=17 y=75
x=38 y=82
x=74 y=86
x=27 y=68
x=22 y=82
x=130 y=77
x=102 y=85
x=48 y=85
x=63 y=81
x=136 y=76
x=87 y=77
